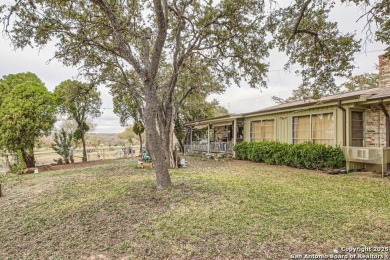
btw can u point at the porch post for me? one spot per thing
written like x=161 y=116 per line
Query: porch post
x=191 y=139
x=234 y=135
x=208 y=138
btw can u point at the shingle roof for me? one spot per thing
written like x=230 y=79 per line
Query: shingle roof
x=369 y=94
x=374 y=93
x=381 y=93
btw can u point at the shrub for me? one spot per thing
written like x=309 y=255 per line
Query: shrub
x=250 y=147
x=308 y=156
x=63 y=145
x=241 y=150
x=335 y=158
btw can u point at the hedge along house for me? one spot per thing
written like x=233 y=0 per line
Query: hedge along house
x=358 y=121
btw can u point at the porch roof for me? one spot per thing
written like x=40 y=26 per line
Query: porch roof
x=215 y=120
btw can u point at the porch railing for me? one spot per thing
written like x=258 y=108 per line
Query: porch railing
x=215 y=147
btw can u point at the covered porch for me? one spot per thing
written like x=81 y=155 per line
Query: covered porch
x=214 y=136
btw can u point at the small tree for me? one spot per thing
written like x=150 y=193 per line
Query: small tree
x=139 y=129
x=80 y=101
x=79 y=133
x=27 y=112
x=63 y=145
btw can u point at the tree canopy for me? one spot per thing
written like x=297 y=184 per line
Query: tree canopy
x=80 y=102
x=27 y=112
x=357 y=82
x=360 y=82
x=124 y=40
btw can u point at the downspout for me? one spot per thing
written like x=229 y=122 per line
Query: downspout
x=382 y=106
x=344 y=122
x=190 y=139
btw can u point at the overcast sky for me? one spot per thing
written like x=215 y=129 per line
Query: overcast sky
x=237 y=100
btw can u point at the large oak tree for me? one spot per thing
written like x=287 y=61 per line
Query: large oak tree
x=137 y=36
x=134 y=38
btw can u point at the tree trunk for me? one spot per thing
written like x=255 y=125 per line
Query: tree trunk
x=140 y=143
x=180 y=140
x=167 y=127
x=156 y=143
x=84 y=146
x=28 y=158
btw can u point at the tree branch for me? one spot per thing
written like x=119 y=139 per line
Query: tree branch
x=116 y=28
x=160 y=40
x=300 y=17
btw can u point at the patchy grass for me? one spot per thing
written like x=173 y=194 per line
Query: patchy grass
x=230 y=209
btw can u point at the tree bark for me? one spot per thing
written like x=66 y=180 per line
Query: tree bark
x=140 y=143
x=84 y=146
x=156 y=143
x=180 y=143
x=28 y=158
x=166 y=119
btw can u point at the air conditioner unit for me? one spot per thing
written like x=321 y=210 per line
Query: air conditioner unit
x=364 y=154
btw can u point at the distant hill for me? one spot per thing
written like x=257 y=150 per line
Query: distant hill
x=93 y=140
x=106 y=139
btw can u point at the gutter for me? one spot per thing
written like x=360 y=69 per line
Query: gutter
x=344 y=122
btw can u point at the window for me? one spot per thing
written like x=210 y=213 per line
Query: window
x=301 y=129
x=317 y=129
x=262 y=130
x=357 y=130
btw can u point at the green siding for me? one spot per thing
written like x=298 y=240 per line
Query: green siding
x=283 y=123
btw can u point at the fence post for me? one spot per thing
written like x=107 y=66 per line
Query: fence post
x=103 y=155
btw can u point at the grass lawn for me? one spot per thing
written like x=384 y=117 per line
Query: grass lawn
x=231 y=209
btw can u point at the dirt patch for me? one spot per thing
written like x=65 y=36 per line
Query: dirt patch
x=73 y=165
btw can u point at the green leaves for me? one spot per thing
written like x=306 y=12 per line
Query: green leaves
x=308 y=156
x=77 y=134
x=78 y=100
x=312 y=41
x=63 y=145
x=27 y=111
x=363 y=81
x=138 y=128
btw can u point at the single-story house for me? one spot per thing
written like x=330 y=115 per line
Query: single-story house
x=357 y=121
